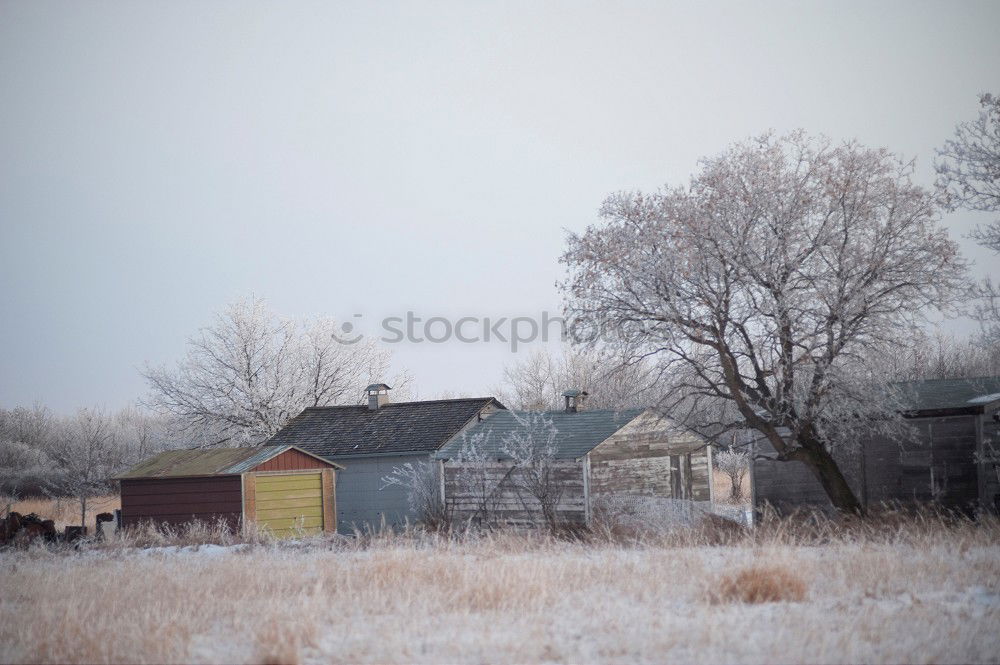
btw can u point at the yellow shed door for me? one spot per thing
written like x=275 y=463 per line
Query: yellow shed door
x=290 y=504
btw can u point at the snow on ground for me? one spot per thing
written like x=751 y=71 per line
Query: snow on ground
x=500 y=600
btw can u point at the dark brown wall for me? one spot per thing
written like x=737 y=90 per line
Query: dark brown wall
x=938 y=464
x=292 y=460
x=178 y=500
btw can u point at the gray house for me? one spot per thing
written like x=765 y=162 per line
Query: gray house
x=950 y=456
x=369 y=440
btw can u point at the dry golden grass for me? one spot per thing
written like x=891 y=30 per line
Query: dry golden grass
x=760 y=583
x=67 y=511
x=921 y=592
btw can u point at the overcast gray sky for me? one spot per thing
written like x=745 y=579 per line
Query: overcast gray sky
x=159 y=160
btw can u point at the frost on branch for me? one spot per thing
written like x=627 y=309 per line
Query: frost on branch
x=537 y=381
x=245 y=376
x=531 y=447
x=735 y=463
x=422 y=483
x=968 y=168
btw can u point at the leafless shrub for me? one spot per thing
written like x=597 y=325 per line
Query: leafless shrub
x=477 y=479
x=422 y=482
x=735 y=463
x=531 y=447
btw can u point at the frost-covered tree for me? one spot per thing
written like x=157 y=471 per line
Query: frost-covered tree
x=531 y=447
x=762 y=286
x=142 y=433
x=75 y=456
x=247 y=374
x=26 y=435
x=968 y=168
x=735 y=463
x=88 y=453
x=537 y=381
x=422 y=483
x=477 y=478
x=938 y=355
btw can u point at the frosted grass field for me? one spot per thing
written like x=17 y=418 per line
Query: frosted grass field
x=902 y=594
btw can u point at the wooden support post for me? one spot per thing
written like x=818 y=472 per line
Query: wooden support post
x=249 y=497
x=329 y=501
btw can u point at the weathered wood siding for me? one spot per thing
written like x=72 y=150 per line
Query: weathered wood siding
x=175 y=501
x=649 y=457
x=505 y=502
x=935 y=462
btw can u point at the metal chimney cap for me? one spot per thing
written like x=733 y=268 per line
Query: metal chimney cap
x=377 y=387
x=574 y=392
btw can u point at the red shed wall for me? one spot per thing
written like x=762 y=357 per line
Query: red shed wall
x=292 y=460
x=177 y=500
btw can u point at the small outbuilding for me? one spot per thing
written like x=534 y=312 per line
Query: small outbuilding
x=284 y=489
x=949 y=456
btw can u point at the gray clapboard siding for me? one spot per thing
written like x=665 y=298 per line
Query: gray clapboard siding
x=505 y=502
x=365 y=502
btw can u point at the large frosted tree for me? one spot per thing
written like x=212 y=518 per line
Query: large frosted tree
x=763 y=286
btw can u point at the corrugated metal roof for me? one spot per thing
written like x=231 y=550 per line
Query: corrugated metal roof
x=577 y=433
x=205 y=462
x=935 y=394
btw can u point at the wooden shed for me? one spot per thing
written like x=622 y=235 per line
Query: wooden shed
x=282 y=488
x=948 y=456
x=599 y=456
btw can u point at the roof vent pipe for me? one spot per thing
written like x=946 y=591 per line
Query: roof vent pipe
x=574 y=399
x=378 y=396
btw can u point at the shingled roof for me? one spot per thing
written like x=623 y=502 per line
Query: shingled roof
x=577 y=433
x=950 y=394
x=401 y=427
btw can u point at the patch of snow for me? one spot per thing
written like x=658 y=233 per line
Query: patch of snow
x=983 y=399
x=201 y=550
